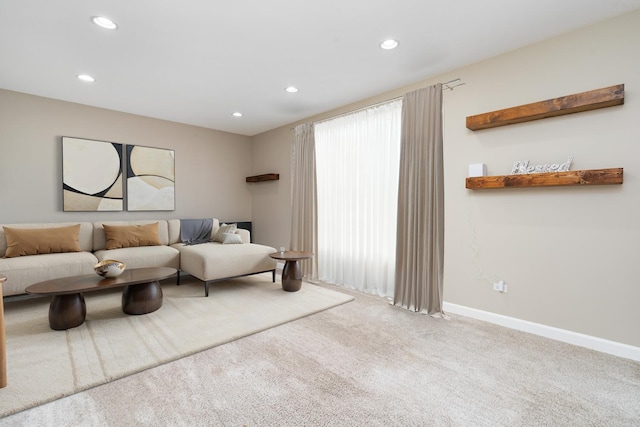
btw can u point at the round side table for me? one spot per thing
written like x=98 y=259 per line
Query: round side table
x=292 y=273
x=3 y=348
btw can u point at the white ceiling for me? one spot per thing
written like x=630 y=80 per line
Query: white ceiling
x=198 y=61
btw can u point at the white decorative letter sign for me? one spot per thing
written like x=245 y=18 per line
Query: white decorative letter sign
x=523 y=168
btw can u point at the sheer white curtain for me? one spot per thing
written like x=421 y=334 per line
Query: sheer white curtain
x=357 y=162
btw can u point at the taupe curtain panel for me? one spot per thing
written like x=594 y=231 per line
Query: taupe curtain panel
x=420 y=227
x=304 y=210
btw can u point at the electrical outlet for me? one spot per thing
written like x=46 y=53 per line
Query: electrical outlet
x=500 y=286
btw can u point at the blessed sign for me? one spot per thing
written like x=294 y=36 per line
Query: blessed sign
x=522 y=167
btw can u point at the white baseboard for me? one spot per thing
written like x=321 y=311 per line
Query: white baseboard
x=582 y=340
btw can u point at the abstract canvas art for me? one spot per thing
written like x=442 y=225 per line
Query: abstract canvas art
x=91 y=175
x=150 y=179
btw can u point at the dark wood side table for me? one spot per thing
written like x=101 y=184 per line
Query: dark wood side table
x=3 y=348
x=291 y=274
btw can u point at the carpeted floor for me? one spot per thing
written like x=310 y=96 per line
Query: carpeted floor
x=43 y=364
x=367 y=363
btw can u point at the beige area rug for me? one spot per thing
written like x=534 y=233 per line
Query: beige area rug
x=44 y=365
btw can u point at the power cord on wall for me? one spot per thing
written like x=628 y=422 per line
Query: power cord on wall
x=475 y=252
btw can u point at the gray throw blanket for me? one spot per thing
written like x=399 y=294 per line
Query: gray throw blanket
x=195 y=231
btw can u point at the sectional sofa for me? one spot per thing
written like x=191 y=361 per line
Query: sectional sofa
x=35 y=252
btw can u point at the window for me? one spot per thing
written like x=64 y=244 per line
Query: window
x=357 y=160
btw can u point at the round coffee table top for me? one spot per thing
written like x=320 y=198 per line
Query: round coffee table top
x=291 y=255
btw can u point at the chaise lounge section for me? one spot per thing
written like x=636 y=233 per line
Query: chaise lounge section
x=216 y=260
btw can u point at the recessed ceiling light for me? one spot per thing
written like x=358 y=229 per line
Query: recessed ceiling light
x=86 y=78
x=104 y=22
x=389 y=44
x=237 y=114
x=291 y=89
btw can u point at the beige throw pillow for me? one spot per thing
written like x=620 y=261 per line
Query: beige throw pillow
x=224 y=228
x=36 y=241
x=231 y=238
x=131 y=236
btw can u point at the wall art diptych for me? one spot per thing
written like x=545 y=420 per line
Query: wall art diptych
x=91 y=175
x=150 y=179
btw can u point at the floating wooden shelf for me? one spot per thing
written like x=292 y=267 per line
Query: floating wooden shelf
x=549 y=179
x=265 y=177
x=585 y=101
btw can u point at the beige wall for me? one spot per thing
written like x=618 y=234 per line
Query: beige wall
x=271 y=200
x=211 y=166
x=569 y=255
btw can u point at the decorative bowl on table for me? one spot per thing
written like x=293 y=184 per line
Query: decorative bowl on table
x=109 y=268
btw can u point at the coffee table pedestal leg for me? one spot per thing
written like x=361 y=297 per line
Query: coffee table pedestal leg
x=67 y=311
x=291 y=276
x=142 y=298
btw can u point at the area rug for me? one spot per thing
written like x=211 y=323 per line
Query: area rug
x=44 y=365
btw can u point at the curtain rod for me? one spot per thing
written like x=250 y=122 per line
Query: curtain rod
x=449 y=86
x=445 y=86
x=377 y=104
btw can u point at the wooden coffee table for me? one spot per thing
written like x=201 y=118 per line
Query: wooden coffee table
x=291 y=274
x=3 y=348
x=142 y=293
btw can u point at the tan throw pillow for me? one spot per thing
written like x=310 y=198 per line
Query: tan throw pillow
x=131 y=236
x=36 y=241
x=224 y=228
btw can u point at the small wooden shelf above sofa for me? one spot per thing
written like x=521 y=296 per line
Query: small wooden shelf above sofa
x=264 y=177
x=548 y=179
x=585 y=101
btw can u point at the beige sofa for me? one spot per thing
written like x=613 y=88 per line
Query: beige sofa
x=207 y=262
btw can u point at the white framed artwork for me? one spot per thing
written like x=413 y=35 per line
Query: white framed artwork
x=150 y=179
x=91 y=175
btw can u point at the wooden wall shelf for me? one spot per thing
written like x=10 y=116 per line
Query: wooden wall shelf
x=585 y=101
x=549 y=179
x=264 y=177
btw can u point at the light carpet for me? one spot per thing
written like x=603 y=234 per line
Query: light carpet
x=44 y=365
